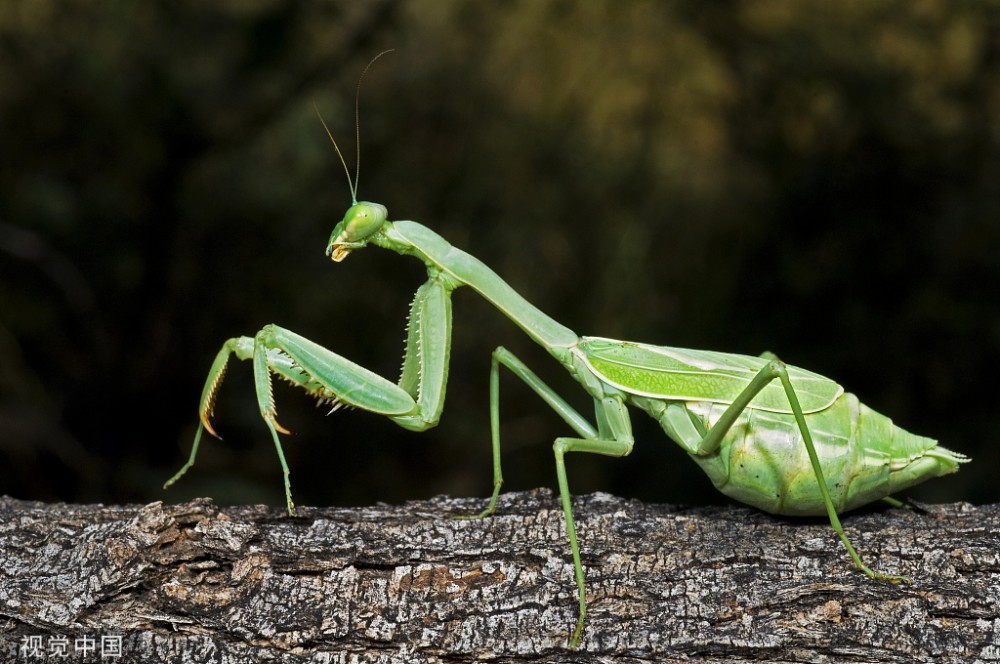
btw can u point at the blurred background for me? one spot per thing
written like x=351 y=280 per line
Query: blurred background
x=818 y=180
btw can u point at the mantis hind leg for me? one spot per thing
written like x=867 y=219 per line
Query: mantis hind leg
x=611 y=437
x=775 y=369
x=782 y=374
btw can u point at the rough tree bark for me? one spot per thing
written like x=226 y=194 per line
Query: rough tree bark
x=198 y=583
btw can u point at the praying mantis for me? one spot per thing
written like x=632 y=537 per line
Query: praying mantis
x=783 y=439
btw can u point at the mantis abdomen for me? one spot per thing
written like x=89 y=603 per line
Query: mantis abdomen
x=762 y=460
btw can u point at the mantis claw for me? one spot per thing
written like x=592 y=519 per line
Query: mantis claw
x=892 y=578
x=490 y=510
x=208 y=425
x=574 y=639
x=272 y=418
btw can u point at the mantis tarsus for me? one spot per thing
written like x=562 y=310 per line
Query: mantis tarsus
x=774 y=436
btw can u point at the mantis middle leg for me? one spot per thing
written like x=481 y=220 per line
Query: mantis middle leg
x=611 y=437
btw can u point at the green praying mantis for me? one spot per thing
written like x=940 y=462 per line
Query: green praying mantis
x=777 y=437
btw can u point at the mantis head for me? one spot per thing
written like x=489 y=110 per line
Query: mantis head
x=360 y=222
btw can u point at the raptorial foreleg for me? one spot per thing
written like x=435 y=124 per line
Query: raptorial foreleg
x=415 y=402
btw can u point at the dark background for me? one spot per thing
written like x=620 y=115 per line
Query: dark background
x=819 y=180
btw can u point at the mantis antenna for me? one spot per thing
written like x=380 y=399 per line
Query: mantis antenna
x=353 y=184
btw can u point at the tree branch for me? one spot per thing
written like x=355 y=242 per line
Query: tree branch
x=195 y=582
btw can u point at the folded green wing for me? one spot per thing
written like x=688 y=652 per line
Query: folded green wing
x=698 y=375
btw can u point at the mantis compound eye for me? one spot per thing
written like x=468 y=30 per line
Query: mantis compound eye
x=361 y=221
